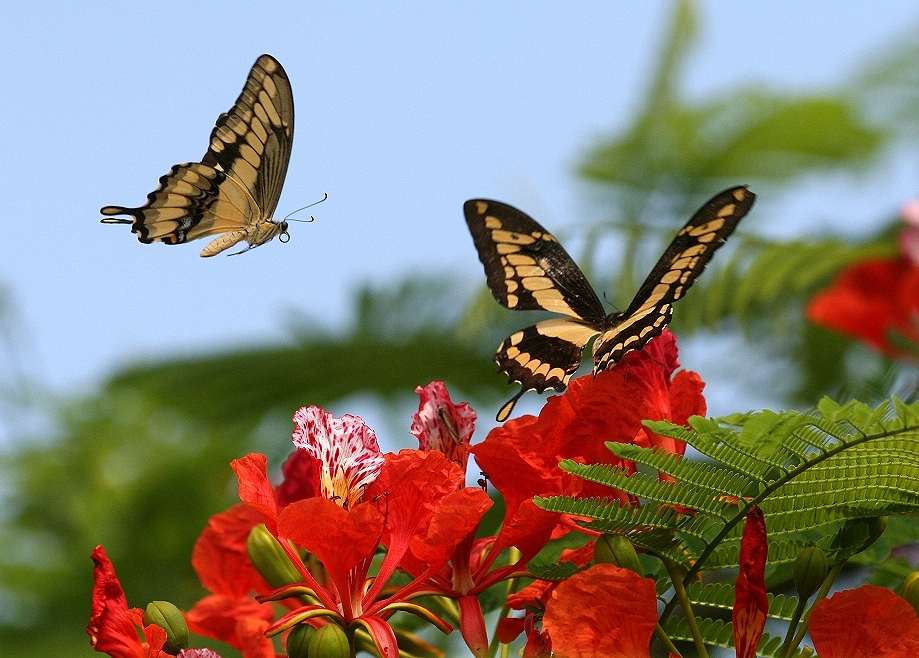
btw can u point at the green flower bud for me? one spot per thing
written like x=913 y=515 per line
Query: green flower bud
x=170 y=619
x=858 y=534
x=298 y=641
x=269 y=558
x=618 y=550
x=910 y=589
x=330 y=641
x=810 y=571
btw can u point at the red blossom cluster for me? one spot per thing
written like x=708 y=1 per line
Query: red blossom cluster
x=352 y=536
x=877 y=301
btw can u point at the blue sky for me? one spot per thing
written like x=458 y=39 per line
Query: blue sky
x=402 y=114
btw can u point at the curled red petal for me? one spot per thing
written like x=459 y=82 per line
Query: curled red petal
x=867 y=622
x=603 y=612
x=231 y=619
x=455 y=517
x=113 y=627
x=255 y=489
x=220 y=558
x=750 y=601
x=338 y=538
x=441 y=424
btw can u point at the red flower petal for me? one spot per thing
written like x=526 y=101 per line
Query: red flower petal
x=472 y=625
x=440 y=424
x=254 y=487
x=383 y=636
x=220 y=558
x=112 y=625
x=750 y=602
x=407 y=491
x=455 y=517
x=301 y=478
x=528 y=530
x=337 y=537
x=604 y=612
x=868 y=622
x=869 y=300
x=238 y=621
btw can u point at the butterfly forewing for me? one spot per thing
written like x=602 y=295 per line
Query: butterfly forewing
x=684 y=260
x=525 y=266
x=252 y=141
x=237 y=184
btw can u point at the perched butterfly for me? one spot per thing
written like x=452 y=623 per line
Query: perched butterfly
x=233 y=192
x=527 y=269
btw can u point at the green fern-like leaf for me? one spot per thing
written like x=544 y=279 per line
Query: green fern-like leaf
x=807 y=471
x=719 y=633
x=721 y=597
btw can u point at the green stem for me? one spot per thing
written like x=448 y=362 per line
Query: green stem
x=676 y=577
x=821 y=594
x=665 y=640
x=792 y=627
x=513 y=556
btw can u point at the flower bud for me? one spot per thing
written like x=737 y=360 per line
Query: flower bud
x=858 y=534
x=170 y=619
x=910 y=589
x=329 y=641
x=810 y=571
x=298 y=641
x=269 y=558
x=618 y=550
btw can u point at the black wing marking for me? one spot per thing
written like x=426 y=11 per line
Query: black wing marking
x=525 y=266
x=675 y=271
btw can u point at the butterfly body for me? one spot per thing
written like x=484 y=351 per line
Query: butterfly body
x=233 y=192
x=526 y=268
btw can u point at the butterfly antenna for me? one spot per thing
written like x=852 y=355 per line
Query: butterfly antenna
x=311 y=219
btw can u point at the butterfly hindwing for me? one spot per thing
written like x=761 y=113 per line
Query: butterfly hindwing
x=525 y=266
x=684 y=260
x=235 y=188
x=543 y=356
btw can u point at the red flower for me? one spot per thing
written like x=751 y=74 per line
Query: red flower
x=521 y=457
x=113 y=627
x=750 y=601
x=868 y=622
x=440 y=424
x=870 y=301
x=604 y=612
x=362 y=501
x=239 y=621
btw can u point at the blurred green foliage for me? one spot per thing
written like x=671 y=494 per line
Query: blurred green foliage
x=141 y=463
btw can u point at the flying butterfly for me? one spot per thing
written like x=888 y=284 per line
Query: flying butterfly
x=527 y=269
x=233 y=192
